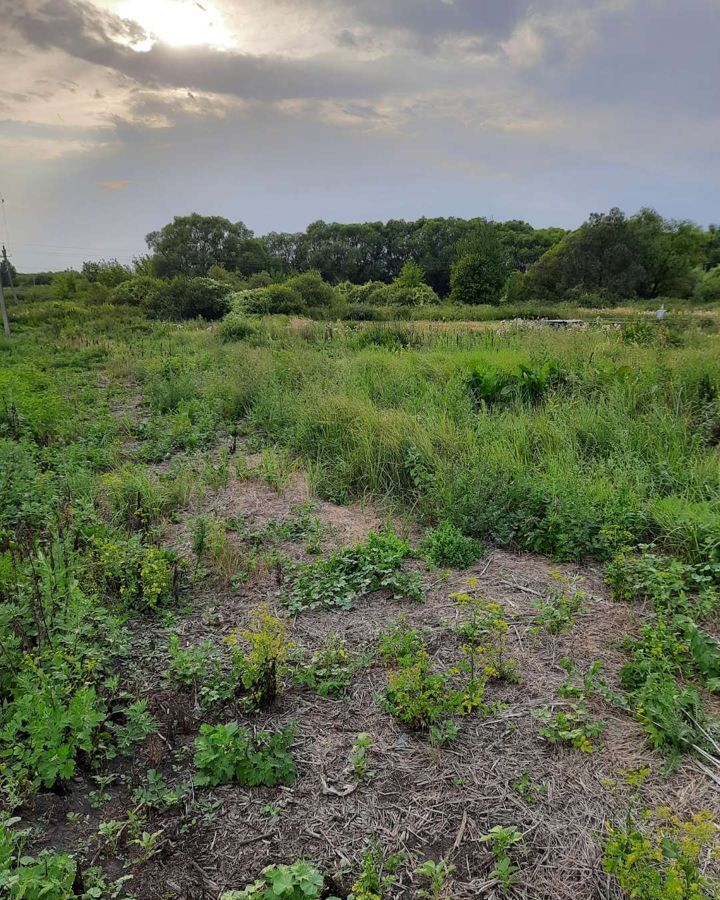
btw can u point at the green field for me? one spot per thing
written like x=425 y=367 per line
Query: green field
x=356 y=594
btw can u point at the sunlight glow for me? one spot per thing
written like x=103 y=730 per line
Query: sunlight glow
x=180 y=23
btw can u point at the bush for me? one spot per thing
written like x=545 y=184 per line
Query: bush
x=237 y=327
x=273 y=299
x=299 y=881
x=315 y=292
x=224 y=753
x=707 y=290
x=142 y=290
x=188 y=298
x=446 y=545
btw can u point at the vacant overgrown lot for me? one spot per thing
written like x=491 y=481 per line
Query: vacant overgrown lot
x=394 y=610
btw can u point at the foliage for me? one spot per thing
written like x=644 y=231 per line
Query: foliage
x=224 y=753
x=501 y=839
x=270 y=300
x=329 y=670
x=446 y=545
x=359 y=758
x=298 y=881
x=349 y=574
x=142 y=291
x=190 y=298
x=419 y=698
x=557 y=612
x=666 y=860
x=485 y=637
x=237 y=326
x=573 y=725
x=438 y=875
x=261 y=670
x=190 y=245
x=399 y=643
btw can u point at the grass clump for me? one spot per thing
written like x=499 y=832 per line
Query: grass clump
x=225 y=753
x=345 y=576
x=446 y=545
x=557 y=612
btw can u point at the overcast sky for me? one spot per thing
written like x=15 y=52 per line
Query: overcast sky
x=116 y=115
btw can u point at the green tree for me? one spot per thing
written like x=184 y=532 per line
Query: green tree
x=190 y=245
x=109 y=272
x=7 y=273
x=481 y=271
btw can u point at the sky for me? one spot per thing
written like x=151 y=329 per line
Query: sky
x=116 y=115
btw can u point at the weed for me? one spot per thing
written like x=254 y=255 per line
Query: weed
x=359 y=758
x=501 y=839
x=446 y=545
x=485 y=636
x=530 y=791
x=298 y=881
x=557 y=613
x=399 y=643
x=350 y=574
x=666 y=860
x=139 y=723
x=330 y=669
x=417 y=697
x=438 y=875
x=224 y=753
x=262 y=669
x=572 y=725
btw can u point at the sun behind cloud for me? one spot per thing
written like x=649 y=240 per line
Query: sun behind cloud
x=179 y=23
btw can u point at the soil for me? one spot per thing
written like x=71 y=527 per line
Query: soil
x=428 y=803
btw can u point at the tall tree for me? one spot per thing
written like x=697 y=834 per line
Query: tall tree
x=189 y=245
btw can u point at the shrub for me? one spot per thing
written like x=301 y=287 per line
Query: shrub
x=707 y=290
x=189 y=298
x=299 y=881
x=273 y=299
x=446 y=545
x=667 y=861
x=224 y=753
x=349 y=574
x=315 y=292
x=141 y=290
x=237 y=327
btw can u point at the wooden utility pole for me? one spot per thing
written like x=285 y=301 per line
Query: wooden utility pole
x=3 y=309
x=6 y=321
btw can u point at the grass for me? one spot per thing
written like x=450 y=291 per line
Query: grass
x=598 y=443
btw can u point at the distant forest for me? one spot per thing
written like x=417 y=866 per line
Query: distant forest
x=610 y=258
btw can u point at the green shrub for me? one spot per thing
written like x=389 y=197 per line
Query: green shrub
x=224 y=753
x=665 y=862
x=446 y=545
x=142 y=291
x=350 y=574
x=270 y=300
x=237 y=327
x=315 y=292
x=298 y=881
x=190 y=298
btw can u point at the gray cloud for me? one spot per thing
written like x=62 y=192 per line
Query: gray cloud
x=85 y=32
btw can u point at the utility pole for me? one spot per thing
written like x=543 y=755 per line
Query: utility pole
x=6 y=322
x=3 y=309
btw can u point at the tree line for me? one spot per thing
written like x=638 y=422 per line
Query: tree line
x=610 y=258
